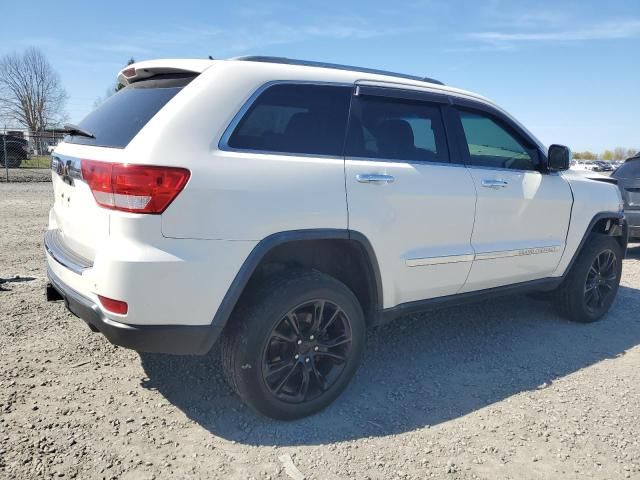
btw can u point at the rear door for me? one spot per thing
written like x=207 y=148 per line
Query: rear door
x=522 y=213
x=405 y=194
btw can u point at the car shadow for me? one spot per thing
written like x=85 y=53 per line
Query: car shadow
x=16 y=279
x=633 y=251
x=417 y=371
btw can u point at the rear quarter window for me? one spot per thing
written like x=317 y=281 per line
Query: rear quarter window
x=119 y=118
x=296 y=119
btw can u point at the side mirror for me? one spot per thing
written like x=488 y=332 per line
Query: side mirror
x=559 y=158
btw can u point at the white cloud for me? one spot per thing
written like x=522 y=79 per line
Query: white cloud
x=607 y=31
x=233 y=40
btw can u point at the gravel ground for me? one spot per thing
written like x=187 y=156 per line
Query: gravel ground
x=500 y=389
x=25 y=175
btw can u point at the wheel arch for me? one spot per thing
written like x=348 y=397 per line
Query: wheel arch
x=608 y=223
x=307 y=249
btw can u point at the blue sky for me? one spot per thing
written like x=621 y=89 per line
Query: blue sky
x=570 y=71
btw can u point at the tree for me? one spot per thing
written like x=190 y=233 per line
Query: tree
x=632 y=152
x=607 y=155
x=586 y=155
x=100 y=100
x=111 y=90
x=619 y=153
x=30 y=90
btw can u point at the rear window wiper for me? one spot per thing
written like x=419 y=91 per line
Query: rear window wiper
x=72 y=129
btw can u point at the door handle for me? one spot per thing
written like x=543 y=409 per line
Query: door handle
x=374 y=178
x=495 y=184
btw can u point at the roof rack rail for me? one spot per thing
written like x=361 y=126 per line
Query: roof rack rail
x=336 y=66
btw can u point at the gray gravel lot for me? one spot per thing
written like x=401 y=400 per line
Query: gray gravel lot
x=500 y=389
x=25 y=175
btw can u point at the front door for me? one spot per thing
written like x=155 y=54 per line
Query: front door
x=406 y=195
x=522 y=213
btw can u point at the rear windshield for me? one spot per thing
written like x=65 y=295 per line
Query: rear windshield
x=629 y=169
x=119 y=118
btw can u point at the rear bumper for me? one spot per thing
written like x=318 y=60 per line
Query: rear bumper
x=633 y=220
x=173 y=339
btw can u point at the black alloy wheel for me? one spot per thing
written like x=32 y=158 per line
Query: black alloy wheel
x=601 y=281
x=307 y=351
x=294 y=343
x=590 y=287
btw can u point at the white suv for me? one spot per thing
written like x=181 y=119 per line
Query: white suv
x=284 y=206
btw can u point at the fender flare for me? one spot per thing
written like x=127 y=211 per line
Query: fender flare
x=617 y=217
x=263 y=247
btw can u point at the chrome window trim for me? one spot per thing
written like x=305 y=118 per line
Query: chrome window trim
x=516 y=170
x=280 y=154
x=223 y=144
x=506 y=169
x=409 y=162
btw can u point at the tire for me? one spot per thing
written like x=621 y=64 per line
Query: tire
x=15 y=162
x=275 y=322
x=576 y=297
x=12 y=162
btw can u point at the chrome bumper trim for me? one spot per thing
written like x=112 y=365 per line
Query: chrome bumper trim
x=54 y=245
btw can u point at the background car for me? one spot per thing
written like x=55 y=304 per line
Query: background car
x=17 y=150
x=602 y=166
x=628 y=176
x=579 y=165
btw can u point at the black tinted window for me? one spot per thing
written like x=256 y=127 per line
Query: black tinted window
x=290 y=118
x=491 y=144
x=629 y=169
x=396 y=129
x=116 y=121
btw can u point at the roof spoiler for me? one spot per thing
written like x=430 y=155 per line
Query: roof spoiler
x=141 y=70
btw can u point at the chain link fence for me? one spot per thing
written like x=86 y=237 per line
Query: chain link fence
x=25 y=156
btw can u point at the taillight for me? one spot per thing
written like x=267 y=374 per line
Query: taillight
x=134 y=188
x=114 y=306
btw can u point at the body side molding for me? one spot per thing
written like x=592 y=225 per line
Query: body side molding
x=470 y=257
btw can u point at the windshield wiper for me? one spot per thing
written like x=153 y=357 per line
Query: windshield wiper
x=72 y=129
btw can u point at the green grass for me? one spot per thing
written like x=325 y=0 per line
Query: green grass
x=40 y=161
